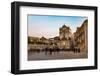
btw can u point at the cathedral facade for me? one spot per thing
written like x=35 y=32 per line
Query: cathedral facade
x=65 y=37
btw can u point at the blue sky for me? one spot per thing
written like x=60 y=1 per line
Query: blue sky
x=48 y=26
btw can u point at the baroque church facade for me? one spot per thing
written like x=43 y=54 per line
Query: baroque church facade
x=65 y=36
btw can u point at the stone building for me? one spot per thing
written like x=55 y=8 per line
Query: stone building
x=80 y=36
x=33 y=40
x=38 y=43
x=64 y=32
x=65 y=37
